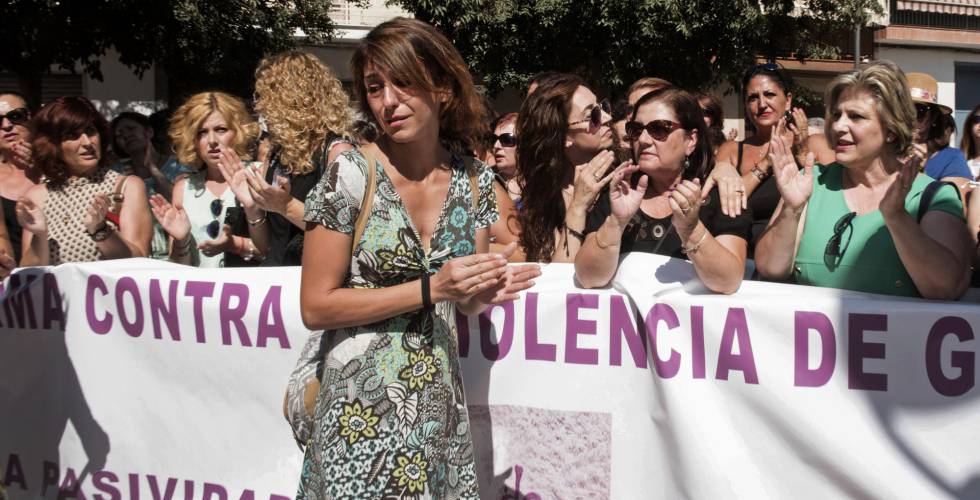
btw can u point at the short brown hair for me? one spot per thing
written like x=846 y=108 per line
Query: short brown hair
x=61 y=119
x=650 y=82
x=415 y=52
x=189 y=116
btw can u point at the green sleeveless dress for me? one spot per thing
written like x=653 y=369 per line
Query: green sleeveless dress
x=863 y=258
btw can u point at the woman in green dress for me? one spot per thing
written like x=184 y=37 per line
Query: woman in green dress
x=390 y=419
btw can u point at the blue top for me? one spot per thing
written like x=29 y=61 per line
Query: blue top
x=948 y=162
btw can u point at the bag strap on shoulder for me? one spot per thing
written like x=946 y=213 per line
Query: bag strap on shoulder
x=119 y=194
x=473 y=174
x=368 y=152
x=929 y=193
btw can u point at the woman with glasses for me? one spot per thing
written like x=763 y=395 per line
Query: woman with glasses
x=970 y=144
x=655 y=205
x=503 y=141
x=207 y=228
x=866 y=222
x=564 y=141
x=931 y=138
x=85 y=212
x=16 y=172
x=743 y=171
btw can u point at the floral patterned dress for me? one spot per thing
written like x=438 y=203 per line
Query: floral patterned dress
x=390 y=420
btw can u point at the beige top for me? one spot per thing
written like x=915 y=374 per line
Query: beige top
x=65 y=209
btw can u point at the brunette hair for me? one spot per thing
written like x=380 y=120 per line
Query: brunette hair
x=968 y=144
x=648 y=82
x=503 y=119
x=542 y=125
x=189 y=116
x=303 y=103
x=132 y=116
x=414 y=52
x=712 y=108
x=688 y=112
x=62 y=119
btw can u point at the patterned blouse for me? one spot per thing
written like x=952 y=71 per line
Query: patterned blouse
x=391 y=419
x=64 y=208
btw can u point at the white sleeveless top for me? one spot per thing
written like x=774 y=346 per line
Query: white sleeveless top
x=197 y=204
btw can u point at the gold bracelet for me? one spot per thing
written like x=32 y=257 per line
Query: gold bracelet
x=697 y=246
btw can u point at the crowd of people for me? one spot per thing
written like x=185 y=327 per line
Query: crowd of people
x=418 y=208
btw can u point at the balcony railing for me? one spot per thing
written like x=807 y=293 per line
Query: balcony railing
x=946 y=14
x=347 y=14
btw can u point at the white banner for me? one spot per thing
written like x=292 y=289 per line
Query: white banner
x=139 y=379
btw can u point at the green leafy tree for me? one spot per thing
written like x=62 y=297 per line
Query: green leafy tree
x=694 y=43
x=199 y=44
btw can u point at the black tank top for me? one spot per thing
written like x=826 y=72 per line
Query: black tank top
x=762 y=203
x=13 y=227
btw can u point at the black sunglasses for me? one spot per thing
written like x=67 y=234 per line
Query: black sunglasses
x=506 y=140
x=759 y=68
x=658 y=129
x=214 y=227
x=17 y=116
x=921 y=110
x=595 y=116
x=832 y=253
x=973 y=120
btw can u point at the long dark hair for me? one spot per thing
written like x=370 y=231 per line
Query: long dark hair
x=542 y=125
x=689 y=115
x=968 y=144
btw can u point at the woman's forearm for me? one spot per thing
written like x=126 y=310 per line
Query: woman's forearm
x=719 y=269
x=181 y=251
x=775 y=254
x=345 y=307
x=258 y=229
x=118 y=247
x=598 y=259
x=294 y=213
x=937 y=271
x=36 y=251
x=567 y=244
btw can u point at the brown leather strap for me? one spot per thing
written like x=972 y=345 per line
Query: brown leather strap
x=118 y=194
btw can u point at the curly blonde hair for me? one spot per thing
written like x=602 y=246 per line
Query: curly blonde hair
x=303 y=103
x=189 y=116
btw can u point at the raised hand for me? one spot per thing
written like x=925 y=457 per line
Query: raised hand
x=685 y=201
x=795 y=185
x=731 y=188
x=893 y=203
x=799 y=127
x=624 y=199
x=236 y=174
x=223 y=243
x=268 y=197
x=94 y=217
x=173 y=220
x=31 y=217
x=591 y=177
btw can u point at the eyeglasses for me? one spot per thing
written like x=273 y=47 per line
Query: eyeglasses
x=658 y=129
x=921 y=110
x=214 y=227
x=595 y=116
x=973 y=120
x=18 y=116
x=506 y=140
x=832 y=253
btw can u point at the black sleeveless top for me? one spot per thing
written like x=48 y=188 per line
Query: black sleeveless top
x=13 y=227
x=762 y=203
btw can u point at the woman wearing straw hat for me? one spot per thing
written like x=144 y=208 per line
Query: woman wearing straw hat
x=943 y=162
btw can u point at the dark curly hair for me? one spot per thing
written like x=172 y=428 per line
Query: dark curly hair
x=63 y=119
x=542 y=125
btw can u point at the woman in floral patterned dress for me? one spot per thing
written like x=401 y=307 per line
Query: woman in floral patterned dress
x=391 y=420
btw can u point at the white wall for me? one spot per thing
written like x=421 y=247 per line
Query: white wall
x=120 y=88
x=939 y=63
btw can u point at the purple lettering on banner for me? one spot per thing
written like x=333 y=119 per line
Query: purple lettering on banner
x=279 y=497
x=132 y=328
x=575 y=327
x=233 y=315
x=964 y=360
x=697 y=342
x=165 y=309
x=134 y=487
x=620 y=327
x=188 y=489
x=805 y=322
x=19 y=299
x=104 y=481
x=463 y=333
x=199 y=290
x=210 y=490
x=99 y=326
x=49 y=477
x=271 y=325
x=498 y=351
x=70 y=487
x=14 y=472
x=736 y=331
x=534 y=350
x=168 y=492
x=662 y=312
x=858 y=350
x=247 y=495
x=52 y=309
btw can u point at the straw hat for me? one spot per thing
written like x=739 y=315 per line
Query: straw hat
x=925 y=90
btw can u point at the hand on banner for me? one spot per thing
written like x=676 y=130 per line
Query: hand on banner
x=173 y=220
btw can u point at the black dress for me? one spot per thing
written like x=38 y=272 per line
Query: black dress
x=13 y=226
x=762 y=204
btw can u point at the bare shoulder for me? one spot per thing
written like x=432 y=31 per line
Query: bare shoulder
x=727 y=151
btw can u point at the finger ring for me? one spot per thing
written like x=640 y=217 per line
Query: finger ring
x=740 y=191
x=685 y=210
x=597 y=176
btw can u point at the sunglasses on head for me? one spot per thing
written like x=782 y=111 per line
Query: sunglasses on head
x=214 y=227
x=595 y=116
x=507 y=140
x=658 y=129
x=18 y=116
x=759 y=68
x=833 y=251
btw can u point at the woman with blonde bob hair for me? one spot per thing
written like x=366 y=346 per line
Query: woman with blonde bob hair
x=204 y=222
x=309 y=119
x=869 y=221
x=384 y=285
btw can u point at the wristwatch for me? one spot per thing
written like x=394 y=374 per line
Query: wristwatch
x=101 y=234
